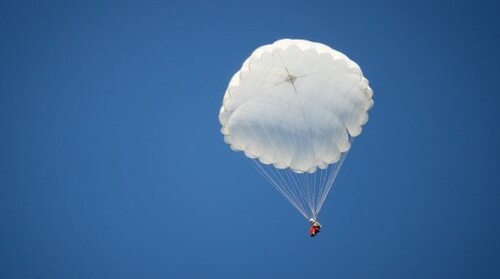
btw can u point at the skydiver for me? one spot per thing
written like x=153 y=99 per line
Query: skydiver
x=315 y=227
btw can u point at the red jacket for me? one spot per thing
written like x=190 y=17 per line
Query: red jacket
x=314 y=230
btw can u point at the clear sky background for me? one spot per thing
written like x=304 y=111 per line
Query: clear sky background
x=112 y=164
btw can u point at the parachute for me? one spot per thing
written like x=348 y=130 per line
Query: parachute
x=294 y=108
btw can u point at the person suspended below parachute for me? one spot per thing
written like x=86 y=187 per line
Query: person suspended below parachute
x=294 y=108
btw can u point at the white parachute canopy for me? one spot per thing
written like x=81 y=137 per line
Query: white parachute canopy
x=294 y=108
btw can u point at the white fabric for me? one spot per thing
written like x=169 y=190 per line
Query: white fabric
x=295 y=104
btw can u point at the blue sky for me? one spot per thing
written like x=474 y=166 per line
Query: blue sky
x=112 y=164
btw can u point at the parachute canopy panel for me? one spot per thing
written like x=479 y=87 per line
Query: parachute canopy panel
x=295 y=104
